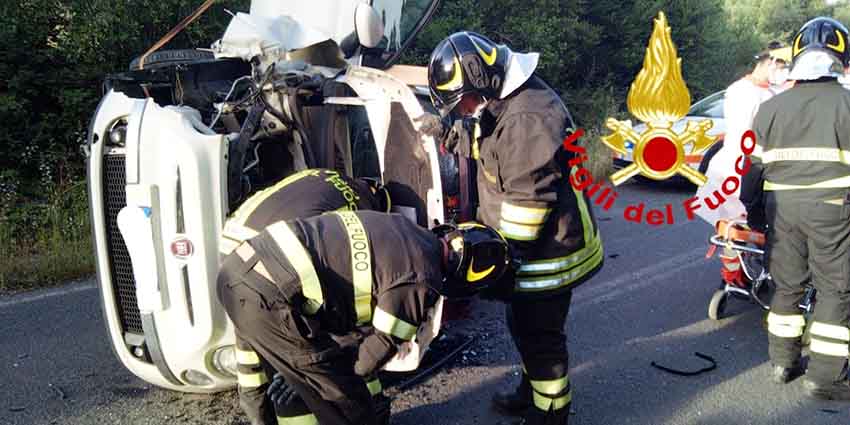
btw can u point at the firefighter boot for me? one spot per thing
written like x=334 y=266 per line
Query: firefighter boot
x=382 y=409
x=539 y=417
x=515 y=402
x=784 y=375
x=839 y=391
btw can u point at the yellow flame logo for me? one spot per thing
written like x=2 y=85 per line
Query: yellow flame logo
x=659 y=97
x=659 y=94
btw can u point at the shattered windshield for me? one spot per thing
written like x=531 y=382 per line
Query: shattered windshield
x=401 y=19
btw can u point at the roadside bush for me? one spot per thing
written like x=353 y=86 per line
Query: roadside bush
x=46 y=242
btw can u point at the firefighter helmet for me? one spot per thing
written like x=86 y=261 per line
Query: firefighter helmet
x=822 y=34
x=468 y=62
x=479 y=256
x=379 y=192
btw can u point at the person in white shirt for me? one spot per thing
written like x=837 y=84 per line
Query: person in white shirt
x=741 y=102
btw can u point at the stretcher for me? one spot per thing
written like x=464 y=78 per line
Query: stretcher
x=743 y=249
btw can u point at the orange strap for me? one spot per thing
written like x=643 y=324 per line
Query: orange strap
x=727 y=228
x=174 y=31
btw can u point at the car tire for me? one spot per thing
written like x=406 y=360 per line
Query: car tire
x=166 y=58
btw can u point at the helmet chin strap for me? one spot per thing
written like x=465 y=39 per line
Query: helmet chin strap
x=446 y=255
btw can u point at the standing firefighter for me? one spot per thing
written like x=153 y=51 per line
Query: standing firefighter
x=801 y=162
x=297 y=283
x=304 y=194
x=514 y=125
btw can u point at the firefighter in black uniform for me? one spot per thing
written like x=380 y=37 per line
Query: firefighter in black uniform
x=802 y=163
x=298 y=282
x=514 y=124
x=301 y=195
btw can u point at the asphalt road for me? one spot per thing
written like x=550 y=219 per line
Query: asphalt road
x=647 y=304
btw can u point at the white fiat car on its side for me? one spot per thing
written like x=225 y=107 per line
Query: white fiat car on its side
x=180 y=140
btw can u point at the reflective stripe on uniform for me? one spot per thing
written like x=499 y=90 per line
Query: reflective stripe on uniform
x=374 y=386
x=523 y=215
x=251 y=380
x=240 y=216
x=308 y=419
x=549 y=282
x=827 y=348
x=786 y=325
x=519 y=232
x=233 y=235
x=806 y=154
x=837 y=183
x=569 y=269
x=361 y=265
x=557 y=265
x=300 y=260
x=551 y=387
x=247 y=358
x=391 y=325
x=826 y=330
x=547 y=403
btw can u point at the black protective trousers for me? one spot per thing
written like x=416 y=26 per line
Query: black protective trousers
x=809 y=240
x=537 y=325
x=319 y=369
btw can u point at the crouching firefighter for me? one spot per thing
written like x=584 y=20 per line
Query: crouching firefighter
x=801 y=162
x=298 y=283
x=514 y=124
x=304 y=194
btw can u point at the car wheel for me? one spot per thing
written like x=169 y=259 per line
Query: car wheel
x=166 y=58
x=717 y=305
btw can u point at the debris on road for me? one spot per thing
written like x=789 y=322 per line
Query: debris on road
x=689 y=373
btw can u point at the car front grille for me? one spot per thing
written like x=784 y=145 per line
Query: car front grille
x=120 y=267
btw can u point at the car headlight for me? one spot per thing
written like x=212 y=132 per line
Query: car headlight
x=224 y=360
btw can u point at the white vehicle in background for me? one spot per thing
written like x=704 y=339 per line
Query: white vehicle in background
x=176 y=146
x=711 y=108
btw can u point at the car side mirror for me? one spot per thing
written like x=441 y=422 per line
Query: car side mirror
x=368 y=25
x=368 y=30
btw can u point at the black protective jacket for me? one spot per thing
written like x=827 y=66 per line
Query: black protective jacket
x=524 y=189
x=802 y=147
x=304 y=194
x=347 y=269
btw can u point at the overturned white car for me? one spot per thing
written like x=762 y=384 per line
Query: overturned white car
x=179 y=141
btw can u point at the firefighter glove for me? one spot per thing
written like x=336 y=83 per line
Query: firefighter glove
x=459 y=137
x=432 y=125
x=280 y=392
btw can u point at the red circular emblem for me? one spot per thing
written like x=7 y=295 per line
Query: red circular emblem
x=660 y=154
x=182 y=248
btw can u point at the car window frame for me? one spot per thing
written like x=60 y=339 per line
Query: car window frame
x=373 y=58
